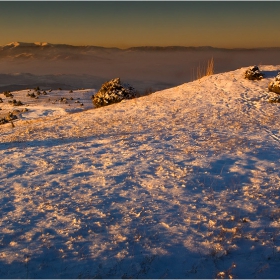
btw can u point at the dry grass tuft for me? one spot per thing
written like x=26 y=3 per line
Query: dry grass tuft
x=202 y=71
x=210 y=67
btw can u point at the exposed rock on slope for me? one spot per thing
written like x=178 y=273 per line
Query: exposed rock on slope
x=113 y=92
x=253 y=73
x=274 y=86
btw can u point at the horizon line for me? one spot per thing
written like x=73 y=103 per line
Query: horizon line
x=46 y=44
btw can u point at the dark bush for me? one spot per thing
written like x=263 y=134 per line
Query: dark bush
x=8 y=94
x=113 y=92
x=32 y=95
x=274 y=86
x=15 y=102
x=253 y=73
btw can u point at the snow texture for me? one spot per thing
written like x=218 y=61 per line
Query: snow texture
x=183 y=183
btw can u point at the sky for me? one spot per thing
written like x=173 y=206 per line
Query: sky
x=129 y=24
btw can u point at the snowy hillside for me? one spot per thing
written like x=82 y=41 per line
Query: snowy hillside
x=183 y=183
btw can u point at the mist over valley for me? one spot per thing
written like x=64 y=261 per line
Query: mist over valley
x=25 y=65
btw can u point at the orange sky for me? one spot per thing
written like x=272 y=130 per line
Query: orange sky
x=126 y=24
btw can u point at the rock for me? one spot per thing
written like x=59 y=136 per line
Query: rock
x=253 y=73
x=1 y=100
x=113 y=92
x=274 y=86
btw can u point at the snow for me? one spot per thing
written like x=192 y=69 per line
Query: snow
x=17 y=44
x=54 y=102
x=13 y=44
x=182 y=183
x=42 y=44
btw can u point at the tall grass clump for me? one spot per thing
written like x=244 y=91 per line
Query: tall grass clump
x=202 y=71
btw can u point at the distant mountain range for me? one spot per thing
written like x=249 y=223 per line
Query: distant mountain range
x=31 y=51
x=45 y=46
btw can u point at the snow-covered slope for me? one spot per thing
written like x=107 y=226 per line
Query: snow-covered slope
x=46 y=102
x=183 y=183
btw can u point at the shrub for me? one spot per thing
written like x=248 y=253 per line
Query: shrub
x=32 y=95
x=274 y=99
x=15 y=102
x=253 y=73
x=8 y=94
x=274 y=86
x=9 y=118
x=113 y=92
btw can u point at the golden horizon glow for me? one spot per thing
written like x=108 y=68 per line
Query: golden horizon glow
x=131 y=24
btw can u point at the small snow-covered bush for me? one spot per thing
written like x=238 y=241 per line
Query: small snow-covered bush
x=9 y=118
x=32 y=95
x=113 y=92
x=274 y=86
x=274 y=100
x=8 y=93
x=15 y=102
x=3 y=121
x=253 y=73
